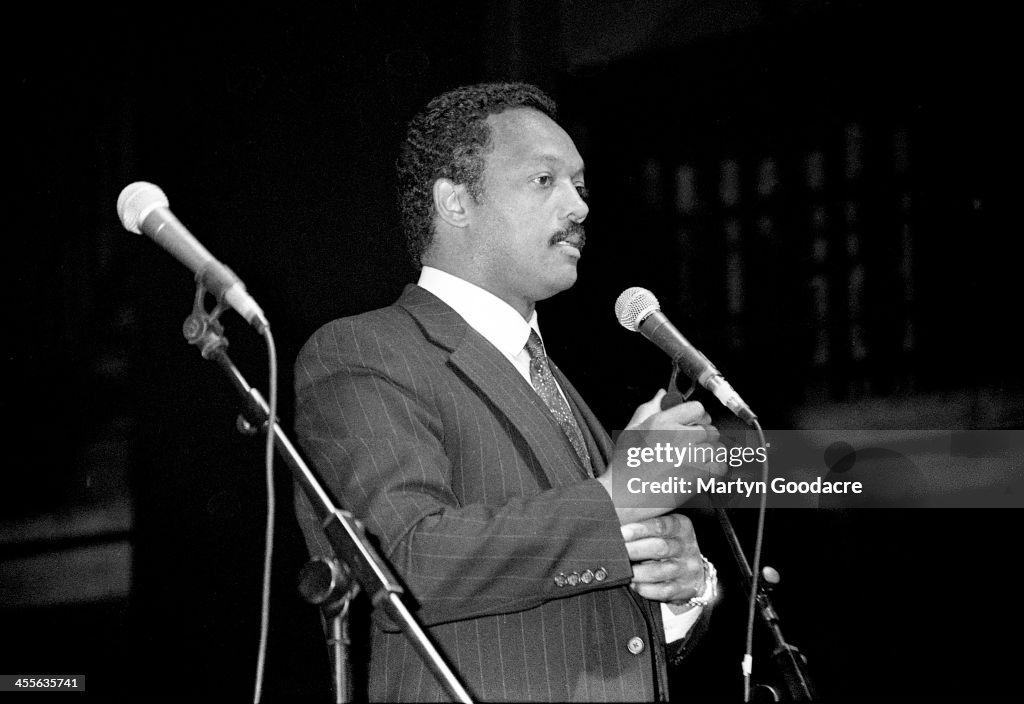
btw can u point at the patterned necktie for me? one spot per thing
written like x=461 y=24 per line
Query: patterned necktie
x=544 y=383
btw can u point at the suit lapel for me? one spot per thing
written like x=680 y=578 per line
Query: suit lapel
x=490 y=372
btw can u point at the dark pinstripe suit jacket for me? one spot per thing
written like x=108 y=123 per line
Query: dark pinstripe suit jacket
x=430 y=436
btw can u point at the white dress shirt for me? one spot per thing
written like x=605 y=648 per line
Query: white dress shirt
x=503 y=327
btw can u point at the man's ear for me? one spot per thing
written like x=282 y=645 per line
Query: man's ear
x=450 y=202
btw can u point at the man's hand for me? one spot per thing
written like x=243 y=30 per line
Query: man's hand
x=686 y=426
x=667 y=565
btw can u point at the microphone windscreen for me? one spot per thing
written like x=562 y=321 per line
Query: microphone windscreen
x=136 y=201
x=633 y=306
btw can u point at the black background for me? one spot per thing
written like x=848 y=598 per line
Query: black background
x=273 y=132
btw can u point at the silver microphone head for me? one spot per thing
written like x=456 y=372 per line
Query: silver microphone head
x=137 y=201
x=633 y=306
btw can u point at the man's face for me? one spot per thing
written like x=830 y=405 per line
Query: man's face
x=526 y=226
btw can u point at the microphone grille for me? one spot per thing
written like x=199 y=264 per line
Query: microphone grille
x=633 y=306
x=136 y=201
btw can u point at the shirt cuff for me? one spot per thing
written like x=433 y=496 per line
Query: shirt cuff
x=678 y=625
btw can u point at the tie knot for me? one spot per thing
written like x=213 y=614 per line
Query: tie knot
x=535 y=347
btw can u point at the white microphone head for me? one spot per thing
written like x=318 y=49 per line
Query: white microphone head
x=633 y=306
x=137 y=201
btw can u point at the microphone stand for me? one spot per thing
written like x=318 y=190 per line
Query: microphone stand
x=787 y=657
x=329 y=585
x=343 y=531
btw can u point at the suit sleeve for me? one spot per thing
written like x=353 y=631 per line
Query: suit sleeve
x=368 y=422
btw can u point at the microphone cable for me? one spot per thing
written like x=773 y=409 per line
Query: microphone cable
x=755 y=569
x=268 y=553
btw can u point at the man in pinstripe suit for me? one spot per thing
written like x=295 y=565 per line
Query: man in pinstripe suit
x=487 y=480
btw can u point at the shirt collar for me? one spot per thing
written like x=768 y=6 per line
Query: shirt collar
x=493 y=318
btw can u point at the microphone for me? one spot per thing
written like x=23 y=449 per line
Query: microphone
x=143 y=208
x=638 y=310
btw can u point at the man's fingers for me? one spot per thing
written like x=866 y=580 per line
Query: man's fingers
x=652 y=527
x=653 y=549
x=660 y=591
x=665 y=557
x=690 y=419
x=671 y=590
x=646 y=410
x=689 y=413
x=670 y=524
x=657 y=571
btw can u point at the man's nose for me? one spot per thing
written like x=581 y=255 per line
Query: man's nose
x=578 y=208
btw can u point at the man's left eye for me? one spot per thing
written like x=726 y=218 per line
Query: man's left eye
x=583 y=191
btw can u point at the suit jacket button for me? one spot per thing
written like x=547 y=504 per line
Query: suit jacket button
x=635 y=645
x=600 y=575
x=573 y=579
x=560 y=579
x=587 y=577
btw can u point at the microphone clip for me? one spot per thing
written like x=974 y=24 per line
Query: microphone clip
x=673 y=397
x=202 y=328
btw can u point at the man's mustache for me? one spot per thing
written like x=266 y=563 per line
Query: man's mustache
x=574 y=234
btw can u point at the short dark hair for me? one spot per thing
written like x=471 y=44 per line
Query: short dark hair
x=448 y=139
